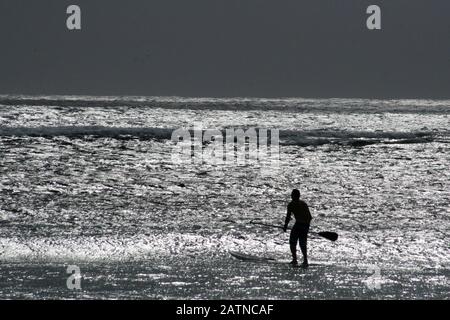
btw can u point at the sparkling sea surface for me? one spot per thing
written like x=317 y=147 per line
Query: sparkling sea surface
x=90 y=181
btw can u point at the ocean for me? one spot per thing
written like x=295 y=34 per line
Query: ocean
x=91 y=182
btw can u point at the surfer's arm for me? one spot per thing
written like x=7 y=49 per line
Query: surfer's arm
x=288 y=218
x=308 y=213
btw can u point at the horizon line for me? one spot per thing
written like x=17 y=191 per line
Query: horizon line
x=43 y=95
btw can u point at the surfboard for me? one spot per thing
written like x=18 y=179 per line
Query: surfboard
x=252 y=258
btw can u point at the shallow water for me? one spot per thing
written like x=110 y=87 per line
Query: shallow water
x=91 y=182
x=219 y=278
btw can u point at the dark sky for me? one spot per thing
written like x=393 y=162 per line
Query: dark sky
x=262 y=48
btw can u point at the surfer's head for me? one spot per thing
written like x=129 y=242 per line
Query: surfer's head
x=295 y=195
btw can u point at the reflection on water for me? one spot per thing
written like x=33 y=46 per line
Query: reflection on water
x=142 y=226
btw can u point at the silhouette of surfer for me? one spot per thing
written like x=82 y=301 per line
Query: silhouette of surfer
x=301 y=227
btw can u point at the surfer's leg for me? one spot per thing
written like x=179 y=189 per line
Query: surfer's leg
x=303 y=240
x=304 y=249
x=293 y=238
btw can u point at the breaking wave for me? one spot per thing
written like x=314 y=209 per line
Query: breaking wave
x=287 y=137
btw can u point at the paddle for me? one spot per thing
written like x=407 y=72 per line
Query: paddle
x=332 y=236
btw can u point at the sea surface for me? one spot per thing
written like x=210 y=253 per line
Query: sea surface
x=92 y=182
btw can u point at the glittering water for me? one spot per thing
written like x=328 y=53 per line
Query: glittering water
x=90 y=182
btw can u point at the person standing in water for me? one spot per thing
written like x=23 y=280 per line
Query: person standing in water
x=301 y=227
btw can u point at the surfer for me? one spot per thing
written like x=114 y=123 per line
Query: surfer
x=301 y=227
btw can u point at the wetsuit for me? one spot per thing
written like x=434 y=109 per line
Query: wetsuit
x=301 y=227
